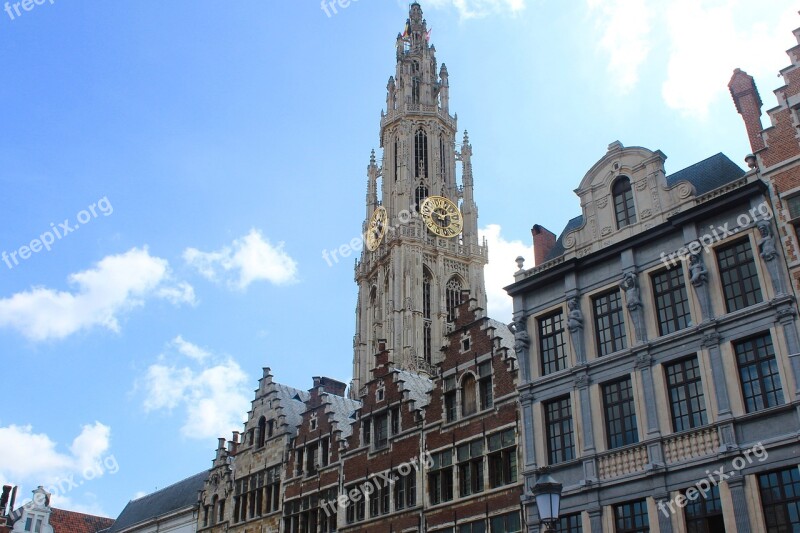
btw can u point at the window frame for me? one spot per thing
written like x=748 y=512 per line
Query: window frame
x=565 y=437
x=622 y=189
x=690 y=397
x=758 y=400
x=552 y=358
x=735 y=301
x=774 y=508
x=618 y=335
x=671 y=287
x=627 y=428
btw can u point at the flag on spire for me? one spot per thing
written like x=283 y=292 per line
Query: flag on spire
x=407 y=29
x=428 y=36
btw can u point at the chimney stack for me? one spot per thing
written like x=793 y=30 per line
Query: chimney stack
x=748 y=104
x=543 y=242
x=331 y=386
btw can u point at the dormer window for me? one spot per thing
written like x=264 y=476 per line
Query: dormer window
x=624 y=209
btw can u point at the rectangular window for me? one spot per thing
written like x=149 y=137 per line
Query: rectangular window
x=621 y=426
x=780 y=496
x=395 y=416
x=758 y=370
x=473 y=527
x=704 y=512
x=505 y=523
x=560 y=438
x=273 y=488
x=405 y=490
x=298 y=462
x=325 y=451
x=485 y=384
x=793 y=206
x=631 y=517
x=381 y=430
x=502 y=459
x=672 y=303
x=737 y=270
x=551 y=343
x=440 y=477
x=450 y=398
x=311 y=459
x=685 y=388
x=470 y=467
x=609 y=323
x=367 y=428
x=570 y=524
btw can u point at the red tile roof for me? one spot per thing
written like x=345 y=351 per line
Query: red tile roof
x=71 y=522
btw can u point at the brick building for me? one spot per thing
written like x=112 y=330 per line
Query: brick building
x=776 y=149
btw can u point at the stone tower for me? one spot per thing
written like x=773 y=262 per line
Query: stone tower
x=421 y=246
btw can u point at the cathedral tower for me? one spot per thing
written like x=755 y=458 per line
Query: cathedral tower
x=421 y=246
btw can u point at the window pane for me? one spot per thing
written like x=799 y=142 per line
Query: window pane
x=609 y=323
x=737 y=271
x=758 y=371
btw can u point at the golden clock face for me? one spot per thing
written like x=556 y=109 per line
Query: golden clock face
x=441 y=216
x=376 y=229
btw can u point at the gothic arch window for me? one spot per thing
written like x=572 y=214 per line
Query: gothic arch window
x=373 y=304
x=396 y=169
x=420 y=194
x=453 y=297
x=427 y=322
x=415 y=82
x=421 y=154
x=442 y=157
x=262 y=431
x=469 y=396
x=624 y=209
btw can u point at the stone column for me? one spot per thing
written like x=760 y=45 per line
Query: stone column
x=596 y=519
x=786 y=318
x=529 y=445
x=664 y=519
x=581 y=381
x=736 y=486
x=711 y=342
x=644 y=362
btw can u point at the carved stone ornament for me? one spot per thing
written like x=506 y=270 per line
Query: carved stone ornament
x=602 y=202
x=711 y=340
x=605 y=231
x=644 y=360
x=581 y=380
x=641 y=185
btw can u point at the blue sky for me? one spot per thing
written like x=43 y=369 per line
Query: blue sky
x=191 y=160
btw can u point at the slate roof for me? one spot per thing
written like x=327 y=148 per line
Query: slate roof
x=506 y=337
x=707 y=175
x=417 y=386
x=72 y=522
x=293 y=407
x=342 y=409
x=181 y=495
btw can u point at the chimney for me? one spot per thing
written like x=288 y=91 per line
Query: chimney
x=331 y=386
x=543 y=241
x=13 y=499
x=382 y=360
x=233 y=444
x=748 y=104
x=4 y=499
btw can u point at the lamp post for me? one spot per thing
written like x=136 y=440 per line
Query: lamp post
x=547 y=492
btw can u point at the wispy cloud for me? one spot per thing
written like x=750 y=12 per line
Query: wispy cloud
x=626 y=27
x=710 y=38
x=500 y=270
x=116 y=284
x=208 y=391
x=248 y=259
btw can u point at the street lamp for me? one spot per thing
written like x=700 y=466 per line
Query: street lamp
x=547 y=492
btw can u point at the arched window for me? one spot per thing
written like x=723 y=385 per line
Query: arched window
x=421 y=154
x=373 y=304
x=624 y=209
x=419 y=195
x=396 y=169
x=214 y=503
x=270 y=428
x=262 y=431
x=452 y=297
x=442 y=157
x=427 y=337
x=469 y=397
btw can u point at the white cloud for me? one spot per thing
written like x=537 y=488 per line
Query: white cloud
x=248 y=259
x=31 y=459
x=710 y=38
x=182 y=293
x=625 y=39
x=116 y=284
x=499 y=272
x=469 y=9
x=190 y=350
x=211 y=393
